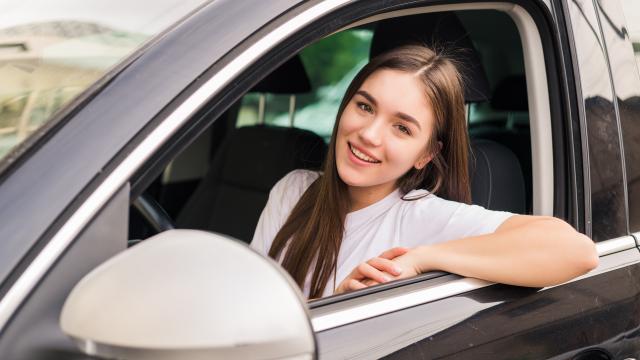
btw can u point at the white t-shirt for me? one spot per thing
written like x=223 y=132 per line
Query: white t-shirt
x=387 y=223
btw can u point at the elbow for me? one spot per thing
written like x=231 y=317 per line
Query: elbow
x=586 y=255
x=581 y=251
x=590 y=259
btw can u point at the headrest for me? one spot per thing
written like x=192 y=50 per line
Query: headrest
x=289 y=78
x=271 y=152
x=511 y=94
x=496 y=177
x=440 y=31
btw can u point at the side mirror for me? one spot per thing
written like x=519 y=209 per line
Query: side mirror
x=188 y=294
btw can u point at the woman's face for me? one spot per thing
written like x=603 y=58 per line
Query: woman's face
x=384 y=131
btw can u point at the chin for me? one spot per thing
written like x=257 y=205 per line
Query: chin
x=349 y=177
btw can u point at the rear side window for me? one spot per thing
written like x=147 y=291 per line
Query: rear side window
x=631 y=10
x=623 y=42
x=606 y=172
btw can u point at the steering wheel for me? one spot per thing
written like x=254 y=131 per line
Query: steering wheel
x=153 y=213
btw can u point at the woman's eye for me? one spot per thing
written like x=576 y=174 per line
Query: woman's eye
x=365 y=107
x=404 y=129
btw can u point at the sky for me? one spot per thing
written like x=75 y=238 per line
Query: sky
x=147 y=17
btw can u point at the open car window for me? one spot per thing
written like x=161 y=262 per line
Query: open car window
x=330 y=65
x=222 y=181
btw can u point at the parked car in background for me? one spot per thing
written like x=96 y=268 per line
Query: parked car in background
x=123 y=124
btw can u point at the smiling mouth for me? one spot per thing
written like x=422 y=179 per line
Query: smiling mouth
x=362 y=156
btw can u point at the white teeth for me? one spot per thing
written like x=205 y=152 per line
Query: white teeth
x=361 y=155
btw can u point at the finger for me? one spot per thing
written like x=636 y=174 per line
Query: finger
x=368 y=271
x=356 y=285
x=369 y=282
x=385 y=265
x=394 y=252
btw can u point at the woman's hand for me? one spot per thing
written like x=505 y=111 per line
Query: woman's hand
x=408 y=262
x=376 y=270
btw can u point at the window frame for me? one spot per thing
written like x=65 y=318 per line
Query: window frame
x=436 y=285
x=357 y=11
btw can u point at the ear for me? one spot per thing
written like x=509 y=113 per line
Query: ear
x=426 y=158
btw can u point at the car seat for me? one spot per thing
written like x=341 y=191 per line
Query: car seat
x=513 y=130
x=249 y=161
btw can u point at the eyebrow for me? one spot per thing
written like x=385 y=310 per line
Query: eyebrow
x=400 y=115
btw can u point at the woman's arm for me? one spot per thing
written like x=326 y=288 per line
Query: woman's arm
x=534 y=251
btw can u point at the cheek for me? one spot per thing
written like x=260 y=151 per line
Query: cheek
x=405 y=153
x=349 y=122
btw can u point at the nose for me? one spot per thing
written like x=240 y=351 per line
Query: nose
x=371 y=133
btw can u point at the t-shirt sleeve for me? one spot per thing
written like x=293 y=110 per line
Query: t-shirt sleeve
x=282 y=198
x=474 y=220
x=436 y=220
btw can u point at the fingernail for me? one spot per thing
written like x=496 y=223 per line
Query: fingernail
x=386 y=278
x=397 y=269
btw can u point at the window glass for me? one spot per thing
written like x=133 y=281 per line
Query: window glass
x=608 y=201
x=331 y=64
x=631 y=9
x=51 y=53
x=627 y=86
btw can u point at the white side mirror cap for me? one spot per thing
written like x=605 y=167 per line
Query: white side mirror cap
x=187 y=294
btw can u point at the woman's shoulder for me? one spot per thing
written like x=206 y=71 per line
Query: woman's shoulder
x=295 y=182
x=422 y=207
x=298 y=178
x=421 y=200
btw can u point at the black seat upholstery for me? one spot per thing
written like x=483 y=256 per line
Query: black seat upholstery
x=510 y=96
x=250 y=161
x=496 y=178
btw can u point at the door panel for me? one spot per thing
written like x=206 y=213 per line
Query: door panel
x=500 y=321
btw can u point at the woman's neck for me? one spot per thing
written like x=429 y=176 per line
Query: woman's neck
x=361 y=197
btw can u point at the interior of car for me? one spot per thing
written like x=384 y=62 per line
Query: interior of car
x=221 y=181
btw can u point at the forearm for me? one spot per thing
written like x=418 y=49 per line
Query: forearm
x=533 y=252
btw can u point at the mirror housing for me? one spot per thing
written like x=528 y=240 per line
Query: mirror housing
x=188 y=294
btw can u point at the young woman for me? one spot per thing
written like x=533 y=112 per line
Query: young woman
x=393 y=199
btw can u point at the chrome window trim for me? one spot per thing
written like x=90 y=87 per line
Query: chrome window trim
x=384 y=305
x=615 y=245
x=390 y=304
x=61 y=240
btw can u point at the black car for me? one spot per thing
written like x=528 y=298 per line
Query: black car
x=123 y=124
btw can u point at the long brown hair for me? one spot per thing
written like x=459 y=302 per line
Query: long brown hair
x=313 y=232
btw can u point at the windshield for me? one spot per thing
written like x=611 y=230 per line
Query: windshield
x=52 y=51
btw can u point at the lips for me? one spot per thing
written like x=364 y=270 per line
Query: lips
x=361 y=155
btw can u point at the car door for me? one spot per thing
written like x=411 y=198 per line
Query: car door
x=434 y=315
x=593 y=316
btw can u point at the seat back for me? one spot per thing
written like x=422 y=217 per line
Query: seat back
x=231 y=196
x=496 y=177
x=513 y=132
